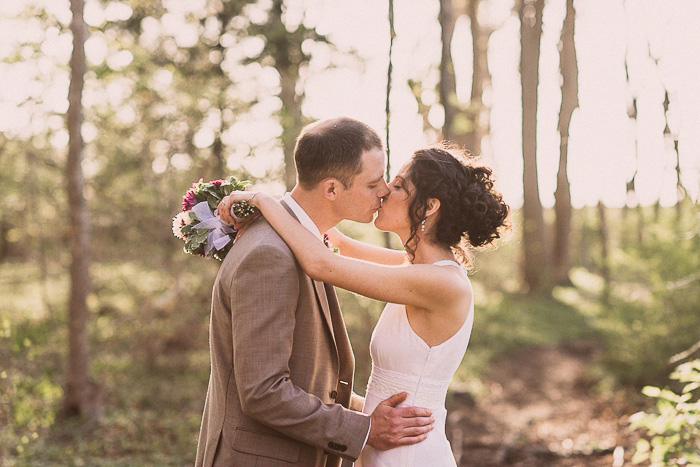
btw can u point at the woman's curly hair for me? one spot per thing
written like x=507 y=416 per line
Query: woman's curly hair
x=472 y=213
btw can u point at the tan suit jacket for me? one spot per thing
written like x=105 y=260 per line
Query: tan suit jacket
x=281 y=364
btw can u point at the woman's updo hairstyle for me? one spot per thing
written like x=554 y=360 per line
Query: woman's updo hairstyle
x=472 y=213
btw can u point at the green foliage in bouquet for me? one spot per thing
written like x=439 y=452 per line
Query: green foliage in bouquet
x=197 y=225
x=675 y=426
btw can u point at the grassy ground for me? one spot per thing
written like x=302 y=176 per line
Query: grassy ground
x=149 y=359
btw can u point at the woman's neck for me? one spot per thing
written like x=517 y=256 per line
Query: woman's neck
x=429 y=253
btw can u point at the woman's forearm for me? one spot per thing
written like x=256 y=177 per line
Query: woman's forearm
x=364 y=251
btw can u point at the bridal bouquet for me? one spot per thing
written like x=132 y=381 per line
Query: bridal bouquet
x=198 y=225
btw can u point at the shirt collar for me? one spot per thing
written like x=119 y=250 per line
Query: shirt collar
x=304 y=218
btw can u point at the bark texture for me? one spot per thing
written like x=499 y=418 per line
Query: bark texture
x=79 y=394
x=534 y=239
x=569 y=101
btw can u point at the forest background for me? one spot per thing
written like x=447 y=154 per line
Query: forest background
x=588 y=111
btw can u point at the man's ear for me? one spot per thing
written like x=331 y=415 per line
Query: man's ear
x=330 y=188
x=433 y=206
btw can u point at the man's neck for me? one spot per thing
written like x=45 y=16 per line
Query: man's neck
x=315 y=207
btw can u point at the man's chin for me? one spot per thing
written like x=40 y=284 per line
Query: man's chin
x=364 y=219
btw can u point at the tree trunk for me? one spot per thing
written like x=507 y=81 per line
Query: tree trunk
x=387 y=106
x=448 y=92
x=604 y=254
x=217 y=149
x=292 y=124
x=682 y=193
x=4 y=242
x=569 y=101
x=285 y=50
x=77 y=397
x=680 y=189
x=535 y=258
x=632 y=112
x=480 y=79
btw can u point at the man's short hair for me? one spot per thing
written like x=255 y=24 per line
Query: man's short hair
x=333 y=149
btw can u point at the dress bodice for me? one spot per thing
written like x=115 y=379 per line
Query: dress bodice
x=402 y=361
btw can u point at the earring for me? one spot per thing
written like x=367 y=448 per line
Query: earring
x=422 y=226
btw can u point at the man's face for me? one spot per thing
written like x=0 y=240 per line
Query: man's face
x=360 y=201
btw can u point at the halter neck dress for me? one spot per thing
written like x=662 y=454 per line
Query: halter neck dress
x=403 y=362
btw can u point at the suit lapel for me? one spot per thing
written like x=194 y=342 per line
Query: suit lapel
x=323 y=300
x=320 y=292
x=345 y=355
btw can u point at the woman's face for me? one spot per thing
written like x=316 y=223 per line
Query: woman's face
x=393 y=214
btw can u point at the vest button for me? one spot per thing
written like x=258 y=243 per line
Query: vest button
x=333 y=394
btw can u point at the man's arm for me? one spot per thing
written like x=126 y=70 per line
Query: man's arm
x=264 y=298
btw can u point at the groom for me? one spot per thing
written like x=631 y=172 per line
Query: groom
x=280 y=391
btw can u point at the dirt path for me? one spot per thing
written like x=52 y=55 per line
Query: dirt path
x=541 y=411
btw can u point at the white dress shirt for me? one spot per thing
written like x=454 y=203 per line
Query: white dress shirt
x=301 y=215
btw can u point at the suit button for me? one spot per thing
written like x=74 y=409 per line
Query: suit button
x=333 y=394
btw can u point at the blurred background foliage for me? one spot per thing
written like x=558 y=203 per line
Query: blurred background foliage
x=164 y=117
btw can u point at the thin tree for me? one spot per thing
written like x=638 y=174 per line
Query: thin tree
x=604 y=239
x=447 y=86
x=480 y=79
x=569 y=101
x=78 y=397
x=632 y=112
x=463 y=125
x=534 y=262
x=387 y=107
x=284 y=49
x=389 y=72
x=668 y=134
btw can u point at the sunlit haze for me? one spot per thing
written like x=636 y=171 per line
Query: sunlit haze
x=659 y=40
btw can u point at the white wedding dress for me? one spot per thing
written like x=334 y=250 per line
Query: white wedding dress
x=403 y=362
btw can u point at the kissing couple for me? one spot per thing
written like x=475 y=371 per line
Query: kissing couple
x=281 y=387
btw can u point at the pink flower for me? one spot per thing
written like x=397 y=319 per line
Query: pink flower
x=217 y=182
x=188 y=201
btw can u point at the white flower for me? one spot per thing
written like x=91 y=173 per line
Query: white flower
x=182 y=219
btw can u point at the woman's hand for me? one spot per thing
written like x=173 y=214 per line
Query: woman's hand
x=225 y=212
x=335 y=237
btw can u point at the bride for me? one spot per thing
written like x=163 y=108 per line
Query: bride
x=442 y=204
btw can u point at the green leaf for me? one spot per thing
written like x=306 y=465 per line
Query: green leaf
x=641 y=453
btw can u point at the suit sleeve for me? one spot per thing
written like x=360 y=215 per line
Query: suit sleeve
x=264 y=297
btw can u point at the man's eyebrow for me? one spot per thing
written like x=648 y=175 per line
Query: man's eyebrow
x=376 y=180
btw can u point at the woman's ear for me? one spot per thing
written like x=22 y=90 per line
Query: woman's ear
x=330 y=188
x=433 y=206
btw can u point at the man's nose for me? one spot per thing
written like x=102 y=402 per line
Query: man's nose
x=383 y=190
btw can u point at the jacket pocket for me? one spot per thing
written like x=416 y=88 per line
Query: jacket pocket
x=265 y=445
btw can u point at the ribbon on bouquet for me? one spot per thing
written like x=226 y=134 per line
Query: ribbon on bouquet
x=218 y=231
